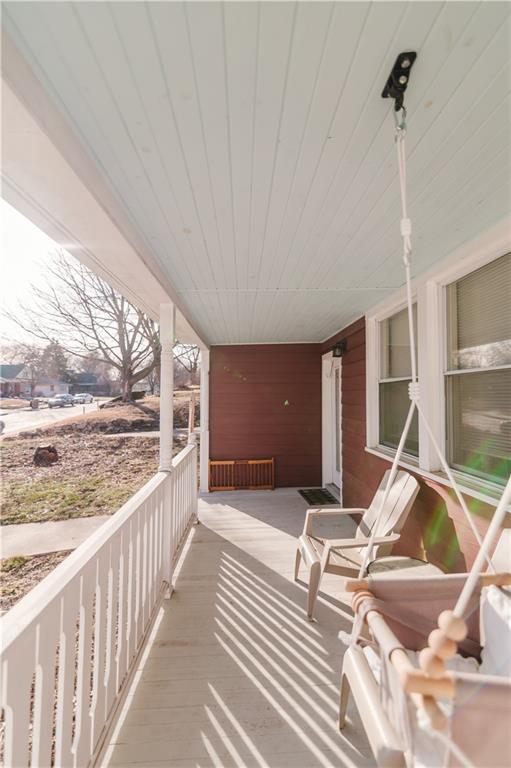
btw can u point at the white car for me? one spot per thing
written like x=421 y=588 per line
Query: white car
x=60 y=401
x=83 y=397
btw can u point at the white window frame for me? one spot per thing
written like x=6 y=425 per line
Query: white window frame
x=429 y=291
x=373 y=353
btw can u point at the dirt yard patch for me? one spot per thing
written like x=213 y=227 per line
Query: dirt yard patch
x=13 y=403
x=95 y=475
x=20 y=574
x=98 y=468
x=140 y=416
x=143 y=416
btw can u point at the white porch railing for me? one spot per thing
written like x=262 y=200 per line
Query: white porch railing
x=69 y=646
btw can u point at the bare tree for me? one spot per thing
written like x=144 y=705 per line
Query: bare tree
x=91 y=320
x=105 y=375
x=153 y=380
x=188 y=356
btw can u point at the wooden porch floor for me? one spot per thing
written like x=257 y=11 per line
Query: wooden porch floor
x=234 y=674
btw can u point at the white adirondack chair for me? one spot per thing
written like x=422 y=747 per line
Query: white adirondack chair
x=331 y=541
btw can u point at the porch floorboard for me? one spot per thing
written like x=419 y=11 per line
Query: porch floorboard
x=233 y=673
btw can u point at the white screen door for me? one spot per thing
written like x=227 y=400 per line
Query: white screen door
x=331 y=420
x=336 y=422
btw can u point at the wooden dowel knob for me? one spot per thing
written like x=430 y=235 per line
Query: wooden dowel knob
x=452 y=626
x=441 y=645
x=430 y=663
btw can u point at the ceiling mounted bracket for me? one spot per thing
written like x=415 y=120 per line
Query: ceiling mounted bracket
x=397 y=82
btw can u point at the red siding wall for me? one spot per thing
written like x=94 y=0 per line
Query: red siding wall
x=265 y=401
x=436 y=527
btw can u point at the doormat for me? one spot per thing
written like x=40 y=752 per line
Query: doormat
x=318 y=497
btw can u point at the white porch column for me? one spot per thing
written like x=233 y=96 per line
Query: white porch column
x=167 y=326
x=204 y=420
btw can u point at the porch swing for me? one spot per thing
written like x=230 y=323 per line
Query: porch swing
x=432 y=707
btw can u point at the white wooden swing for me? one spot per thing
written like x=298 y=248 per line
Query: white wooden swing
x=433 y=708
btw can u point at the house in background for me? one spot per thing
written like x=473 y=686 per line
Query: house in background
x=48 y=387
x=87 y=381
x=15 y=380
x=230 y=169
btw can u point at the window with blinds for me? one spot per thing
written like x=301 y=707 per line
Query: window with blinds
x=395 y=375
x=478 y=379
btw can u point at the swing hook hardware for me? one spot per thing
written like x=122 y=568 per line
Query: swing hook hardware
x=400 y=120
x=398 y=79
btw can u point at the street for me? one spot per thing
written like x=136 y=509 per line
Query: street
x=27 y=419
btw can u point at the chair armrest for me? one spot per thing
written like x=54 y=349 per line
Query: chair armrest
x=337 y=511
x=309 y=554
x=328 y=513
x=361 y=542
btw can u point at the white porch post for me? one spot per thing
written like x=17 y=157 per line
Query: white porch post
x=167 y=325
x=204 y=420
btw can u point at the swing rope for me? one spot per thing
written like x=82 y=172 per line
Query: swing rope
x=414 y=395
x=449 y=620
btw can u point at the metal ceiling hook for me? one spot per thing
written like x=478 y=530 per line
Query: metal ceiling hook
x=398 y=80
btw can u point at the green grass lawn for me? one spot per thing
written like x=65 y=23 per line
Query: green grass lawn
x=95 y=475
x=49 y=499
x=96 y=472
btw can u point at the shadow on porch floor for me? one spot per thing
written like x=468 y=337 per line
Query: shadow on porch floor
x=234 y=674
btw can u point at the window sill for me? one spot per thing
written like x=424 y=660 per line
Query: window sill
x=469 y=486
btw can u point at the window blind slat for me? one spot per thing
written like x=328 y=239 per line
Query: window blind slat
x=479 y=306
x=479 y=405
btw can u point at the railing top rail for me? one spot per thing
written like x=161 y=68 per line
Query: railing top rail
x=30 y=607
x=181 y=456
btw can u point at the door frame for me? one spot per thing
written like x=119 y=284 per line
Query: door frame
x=328 y=366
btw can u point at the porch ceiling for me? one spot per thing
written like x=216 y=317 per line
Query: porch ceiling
x=250 y=149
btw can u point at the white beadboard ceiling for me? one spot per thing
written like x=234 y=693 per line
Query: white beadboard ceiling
x=250 y=148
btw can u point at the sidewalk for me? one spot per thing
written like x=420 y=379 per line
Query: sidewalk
x=39 y=538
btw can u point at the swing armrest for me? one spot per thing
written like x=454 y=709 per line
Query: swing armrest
x=361 y=542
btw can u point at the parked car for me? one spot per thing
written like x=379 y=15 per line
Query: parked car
x=60 y=401
x=83 y=397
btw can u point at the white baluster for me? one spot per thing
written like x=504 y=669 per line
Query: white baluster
x=114 y=629
x=122 y=637
x=137 y=624
x=97 y=707
x=64 y=756
x=81 y=746
x=160 y=536
x=44 y=693
x=17 y=670
x=143 y=558
x=131 y=602
x=152 y=554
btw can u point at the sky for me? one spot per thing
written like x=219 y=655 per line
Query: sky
x=25 y=251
